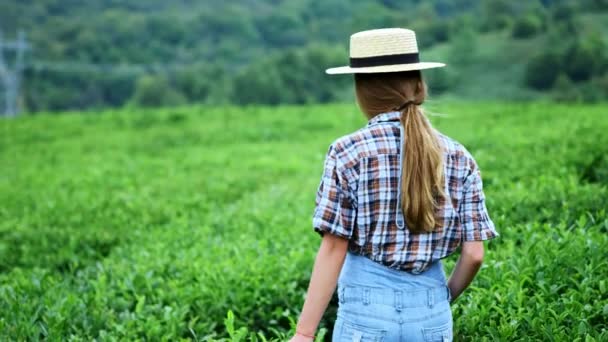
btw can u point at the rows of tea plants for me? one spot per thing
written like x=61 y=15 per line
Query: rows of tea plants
x=194 y=223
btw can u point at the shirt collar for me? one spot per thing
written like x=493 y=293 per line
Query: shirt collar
x=383 y=117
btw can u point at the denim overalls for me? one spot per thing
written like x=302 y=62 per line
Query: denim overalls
x=378 y=303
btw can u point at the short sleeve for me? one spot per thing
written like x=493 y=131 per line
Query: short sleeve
x=473 y=213
x=335 y=207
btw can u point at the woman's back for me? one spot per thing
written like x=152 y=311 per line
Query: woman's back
x=367 y=165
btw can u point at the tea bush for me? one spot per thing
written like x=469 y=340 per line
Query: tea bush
x=194 y=223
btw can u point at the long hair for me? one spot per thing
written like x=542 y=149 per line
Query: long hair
x=422 y=178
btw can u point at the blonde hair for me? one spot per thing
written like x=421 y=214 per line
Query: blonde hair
x=422 y=177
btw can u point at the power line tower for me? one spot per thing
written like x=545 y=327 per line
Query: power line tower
x=11 y=77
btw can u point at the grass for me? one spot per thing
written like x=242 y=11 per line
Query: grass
x=194 y=223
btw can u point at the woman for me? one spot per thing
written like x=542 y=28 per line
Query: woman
x=396 y=197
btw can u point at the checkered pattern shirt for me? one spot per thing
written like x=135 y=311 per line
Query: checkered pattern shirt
x=357 y=199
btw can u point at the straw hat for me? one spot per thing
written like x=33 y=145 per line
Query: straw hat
x=383 y=50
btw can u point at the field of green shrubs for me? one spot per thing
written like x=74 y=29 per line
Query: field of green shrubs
x=195 y=223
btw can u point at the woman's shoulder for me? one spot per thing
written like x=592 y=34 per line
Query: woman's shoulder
x=344 y=150
x=369 y=140
x=345 y=142
x=457 y=154
x=453 y=146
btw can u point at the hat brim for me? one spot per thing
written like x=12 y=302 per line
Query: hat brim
x=384 y=68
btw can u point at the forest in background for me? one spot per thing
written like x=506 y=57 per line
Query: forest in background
x=112 y=53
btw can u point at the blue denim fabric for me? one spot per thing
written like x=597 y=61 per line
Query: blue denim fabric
x=377 y=303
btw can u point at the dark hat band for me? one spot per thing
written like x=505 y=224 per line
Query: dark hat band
x=405 y=58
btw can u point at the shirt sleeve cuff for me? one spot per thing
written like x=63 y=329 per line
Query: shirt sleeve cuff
x=321 y=227
x=481 y=231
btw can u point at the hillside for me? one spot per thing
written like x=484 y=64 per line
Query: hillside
x=154 y=53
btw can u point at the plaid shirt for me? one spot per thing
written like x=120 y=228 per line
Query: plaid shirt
x=357 y=199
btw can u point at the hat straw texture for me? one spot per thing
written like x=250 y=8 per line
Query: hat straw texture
x=390 y=41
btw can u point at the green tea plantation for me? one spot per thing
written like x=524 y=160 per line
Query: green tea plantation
x=194 y=223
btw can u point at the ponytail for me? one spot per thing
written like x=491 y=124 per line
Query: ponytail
x=422 y=175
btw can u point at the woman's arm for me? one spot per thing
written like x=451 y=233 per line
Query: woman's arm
x=323 y=281
x=471 y=258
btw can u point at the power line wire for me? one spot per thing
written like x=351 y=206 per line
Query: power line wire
x=11 y=77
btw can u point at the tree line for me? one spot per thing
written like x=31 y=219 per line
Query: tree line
x=272 y=51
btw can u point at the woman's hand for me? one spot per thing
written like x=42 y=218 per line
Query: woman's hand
x=300 y=338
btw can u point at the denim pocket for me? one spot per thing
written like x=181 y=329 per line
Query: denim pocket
x=353 y=332
x=442 y=333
